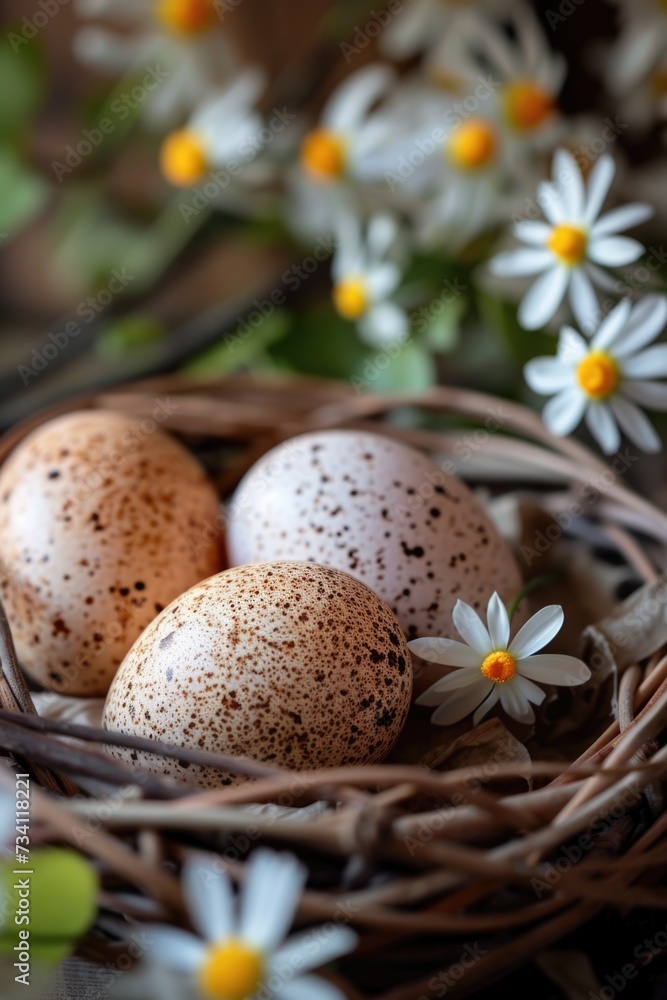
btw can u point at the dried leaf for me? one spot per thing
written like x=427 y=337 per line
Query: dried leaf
x=491 y=741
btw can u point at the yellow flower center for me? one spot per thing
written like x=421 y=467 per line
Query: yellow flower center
x=527 y=105
x=568 y=243
x=231 y=971
x=182 y=158
x=472 y=144
x=323 y=155
x=351 y=297
x=186 y=17
x=598 y=375
x=499 y=666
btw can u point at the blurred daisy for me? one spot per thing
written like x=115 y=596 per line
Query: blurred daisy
x=364 y=278
x=640 y=45
x=604 y=379
x=226 y=128
x=492 y=669
x=567 y=249
x=243 y=956
x=182 y=37
x=424 y=24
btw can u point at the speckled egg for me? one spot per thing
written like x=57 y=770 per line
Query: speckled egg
x=103 y=521
x=381 y=511
x=289 y=663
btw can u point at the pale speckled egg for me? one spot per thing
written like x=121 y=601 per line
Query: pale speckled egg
x=103 y=522
x=381 y=511
x=288 y=663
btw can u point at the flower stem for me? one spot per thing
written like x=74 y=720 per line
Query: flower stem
x=539 y=581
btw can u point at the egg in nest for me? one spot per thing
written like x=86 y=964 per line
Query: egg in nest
x=381 y=511
x=102 y=524
x=287 y=663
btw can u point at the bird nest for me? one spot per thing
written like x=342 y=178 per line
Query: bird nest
x=455 y=862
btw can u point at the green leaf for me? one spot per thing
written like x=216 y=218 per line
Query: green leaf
x=237 y=348
x=134 y=334
x=522 y=344
x=321 y=343
x=23 y=193
x=22 y=81
x=443 y=323
x=407 y=367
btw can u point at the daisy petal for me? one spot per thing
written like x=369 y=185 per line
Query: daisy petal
x=647 y=393
x=309 y=988
x=448 y=652
x=564 y=412
x=209 y=898
x=498 y=622
x=568 y=176
x=384 y=323
x=456 y=681
x=461 y=704
x=547 y=375
x=611 y=326
x=554 y=668
x=352 y=100
x=542 y=300
x=646 y=321
x=622 y=218
x=382 y=231
x=599 y=183
x=382 y=280
x=614 y=251
x=314 y=948
x=601 y=424
x=514 y=704
x=572 y=347
x=174 y=948
x=471 y=628
x=636 y=425
x=486 y=705
x=650 y=363
x=531 y=692
x=517 y=262
x=270 y=898
x=550 y=201
x=534 y=233
x=583 y=301
x=537 y=632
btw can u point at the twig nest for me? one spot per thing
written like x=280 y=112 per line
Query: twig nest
x=288 y=663
x=103 y=521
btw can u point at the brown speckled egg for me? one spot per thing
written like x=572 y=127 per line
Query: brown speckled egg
x=288 y=663
x=103 y=521
x=381 y=511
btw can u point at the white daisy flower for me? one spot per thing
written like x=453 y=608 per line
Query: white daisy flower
x=244 y=955
x=603 y=379
x=423 y=24
x=224 y=129
x=568 y=249
x=364 y=278
x=492 y=669
x=640 y=46
x=182 y=37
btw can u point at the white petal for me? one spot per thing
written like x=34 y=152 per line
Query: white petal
x=174 y=948
x=448 y=652
x=498 y=622
x=461 y=704
x=564 y=412
x=622 y=218
x=547 y=375
x=270 y=897
x=649 y=363
x=516 y=262
x=471 y=628
x=534 y=233
x=554 y=668
x=384 y=323
x=647 y=393
x=314 y=948
x=613 y=251
x=209 y=898
x=599 y=183
x=636 y=425
x=572 y=347
x=352 y=100
x=515 y=704
x=382 y=280
x=567 y=175
x=602 y=279
x=550 y=202
x=309 y=988
x=537 y=632
x=603 y=427
x=531 y=692
x=583 y=301
x=647 y=320
x=542 y=300
x=456 y=681
x=611 y=326
x=486 y=705
x=382 y=232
